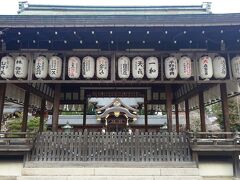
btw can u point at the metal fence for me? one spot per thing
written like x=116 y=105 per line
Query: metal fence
x=110 y=146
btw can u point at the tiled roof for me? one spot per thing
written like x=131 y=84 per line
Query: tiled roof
x=120 y=21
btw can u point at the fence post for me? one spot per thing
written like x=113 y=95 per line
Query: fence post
x=85 y=144
x=137 y=145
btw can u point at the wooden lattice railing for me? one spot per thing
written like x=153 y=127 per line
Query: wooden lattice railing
x=214 y=138
x=16 y=141
x=122 y=146
x=14 y=137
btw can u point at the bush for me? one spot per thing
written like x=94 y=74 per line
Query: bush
x=14 y=124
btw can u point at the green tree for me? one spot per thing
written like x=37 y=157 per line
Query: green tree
x=234 y=118
x=14 y=124
x=195 y=124
x=91 y=109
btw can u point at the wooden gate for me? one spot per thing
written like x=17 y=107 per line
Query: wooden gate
x=110 y=146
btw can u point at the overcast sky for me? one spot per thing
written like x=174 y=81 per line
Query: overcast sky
x=218 y=6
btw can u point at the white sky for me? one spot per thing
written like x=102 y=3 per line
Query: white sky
x=218 y=6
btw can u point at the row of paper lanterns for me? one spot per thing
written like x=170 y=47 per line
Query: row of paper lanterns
x=208 y=67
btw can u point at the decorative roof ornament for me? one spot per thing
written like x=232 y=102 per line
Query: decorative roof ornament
x=116 y=108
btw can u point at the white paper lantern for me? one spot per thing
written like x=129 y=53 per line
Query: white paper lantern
x=55 y=67
x=102 y=67
x=171 y=67
x=7 y=67
x=123 y=67
x=152 y=67
x=74 y=67
x=236 y=67
x=41 y=67
x=219 y=67
x=21 y=67
x=138 y=67
x=205 y=67
x=185 y=67
x=88 y=67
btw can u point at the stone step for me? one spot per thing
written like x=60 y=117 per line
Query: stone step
x=220 y=178
x=110 y=171
x=109 y=178
x=8 y=177
x=77 y=164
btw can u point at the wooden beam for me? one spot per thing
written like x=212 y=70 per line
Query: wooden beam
x=113 y=67
x=2 y=98
x=225 y=110
x=42 y=115
x=187 y=115
x=56 y=102
x=72 y=102
x=85 y=106
x=193 y=92
x=106 y=82
x=177 y=117
x=168 y=90
x=202 y=111
x=30 y=67
x=156 y=102
x=34 y=91
x=145 y=112
x=25 y=111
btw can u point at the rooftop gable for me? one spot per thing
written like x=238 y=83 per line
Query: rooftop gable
x=36 y=9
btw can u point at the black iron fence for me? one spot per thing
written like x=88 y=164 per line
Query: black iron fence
x=110 y=146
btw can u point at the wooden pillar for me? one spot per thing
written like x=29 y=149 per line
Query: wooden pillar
x=169 y=107
x=202 y=111
x=145 y=112
x=42 y=114
x=177 y=117
x=85 y=105
x=187 y=115
x=25 y=111
x=56 y=103
x=2 y=98
x=225 y=111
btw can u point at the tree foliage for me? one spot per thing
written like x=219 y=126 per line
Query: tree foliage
x=14 y=124
x=234 y=118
